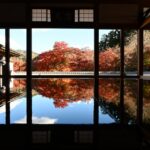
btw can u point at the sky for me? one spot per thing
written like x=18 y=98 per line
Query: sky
x=75 y=113
x=79 y=38
x=44 y=39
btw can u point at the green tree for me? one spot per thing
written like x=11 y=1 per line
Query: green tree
x=112 y=39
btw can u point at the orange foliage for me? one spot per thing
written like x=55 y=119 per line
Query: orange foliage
x=19 y=84
x=64 y=91
x=109 y=89
x=60 y=45
x=19 y=65
x=64 y=58
x=108 y=60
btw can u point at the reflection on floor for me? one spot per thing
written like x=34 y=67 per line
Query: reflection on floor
x=63 y=114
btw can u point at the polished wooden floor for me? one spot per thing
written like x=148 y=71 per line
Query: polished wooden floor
x=114 y=137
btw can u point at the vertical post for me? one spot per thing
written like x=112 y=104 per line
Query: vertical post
x=140 y=74
x=7 y=74
x=29 y=80
x=96 y=73
x=29 y=86
x=28 y=77
x=122 y=52
x=140 y=52
x=122 y=76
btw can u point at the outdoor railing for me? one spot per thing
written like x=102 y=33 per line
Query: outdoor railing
x=80 y=73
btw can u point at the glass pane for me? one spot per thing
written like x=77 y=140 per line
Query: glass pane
x=2 y=50
x=130 y=49
x=109 y=52
x=62 y=101
x=18 y=51
x=61 y=51
x=109 y=101
x=2 y=102
x=146 y=102
x=18 y=98
x=130 y=100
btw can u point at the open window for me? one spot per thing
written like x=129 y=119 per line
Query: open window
x=109 y=52
x=18 y=57
x=60 y=51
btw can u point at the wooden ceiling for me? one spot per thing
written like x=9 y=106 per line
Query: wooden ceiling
x=81 y=1
x=141 y=3
x=138 y=2
x=111 y=12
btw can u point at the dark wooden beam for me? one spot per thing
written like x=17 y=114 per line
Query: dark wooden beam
x=7 y=74
x=75 y=1
x=28 y=77
x=140 y=52
x=122 y=76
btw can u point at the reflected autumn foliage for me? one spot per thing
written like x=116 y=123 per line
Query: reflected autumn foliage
x=109 y=96
x=130 y=100
x=64 y=91
x=17 y=88
x=109 y=89
x=19 y=85
x=146 y=102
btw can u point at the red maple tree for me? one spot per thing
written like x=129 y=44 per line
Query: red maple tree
x=64 y=58
x=109 y=60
